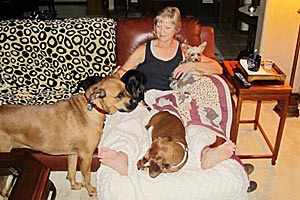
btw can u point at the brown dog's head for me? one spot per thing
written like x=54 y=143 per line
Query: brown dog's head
x=166 y=155
x=111 y=95
x=193 y=53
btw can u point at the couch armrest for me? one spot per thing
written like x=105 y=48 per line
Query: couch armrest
x=208 y=34
x=231 y=87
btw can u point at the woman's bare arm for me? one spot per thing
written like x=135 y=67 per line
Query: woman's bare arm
x=137 y=57
x=206 y=65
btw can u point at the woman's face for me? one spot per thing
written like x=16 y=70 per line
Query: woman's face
x=165 y=31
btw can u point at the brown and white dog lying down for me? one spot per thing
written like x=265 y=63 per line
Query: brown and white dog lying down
x=168 y=152
x=71 y=127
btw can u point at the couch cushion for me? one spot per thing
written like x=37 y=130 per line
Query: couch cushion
x=42 y=61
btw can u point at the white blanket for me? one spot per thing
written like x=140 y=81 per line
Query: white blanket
x=125 y=132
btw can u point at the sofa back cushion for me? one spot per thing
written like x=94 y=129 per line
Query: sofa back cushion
x=43 y=61
x=132 y=32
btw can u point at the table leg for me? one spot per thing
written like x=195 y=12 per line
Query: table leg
x=280 y=130
x=234 y=133
x=52 y=189
x=257 y=113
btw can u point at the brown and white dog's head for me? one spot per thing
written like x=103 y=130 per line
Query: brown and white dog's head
x=193 y=53
x=165 y=156
x=111 y=95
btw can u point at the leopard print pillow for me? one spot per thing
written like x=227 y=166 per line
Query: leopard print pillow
x=43 y=61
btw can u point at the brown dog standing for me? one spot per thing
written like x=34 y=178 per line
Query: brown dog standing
x=66 y=127
x=168 y=151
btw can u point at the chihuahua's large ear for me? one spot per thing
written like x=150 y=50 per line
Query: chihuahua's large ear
x=202 y=46
x=185 y=46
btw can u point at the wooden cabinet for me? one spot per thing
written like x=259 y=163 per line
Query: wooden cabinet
x=226 y=10
x=95 y=7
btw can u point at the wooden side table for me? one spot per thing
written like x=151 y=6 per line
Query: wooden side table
x=32 y=181
x=258 y=93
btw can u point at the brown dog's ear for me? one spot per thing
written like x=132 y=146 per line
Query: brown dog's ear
x=116 y=75
x=98 y=93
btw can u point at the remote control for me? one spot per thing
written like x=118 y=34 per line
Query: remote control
x=242 y=79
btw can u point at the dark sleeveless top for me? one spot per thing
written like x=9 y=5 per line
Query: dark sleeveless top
x=158 y=72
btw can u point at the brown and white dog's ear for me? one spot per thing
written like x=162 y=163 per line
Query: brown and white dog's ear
x=185 y=46
x=202 y=46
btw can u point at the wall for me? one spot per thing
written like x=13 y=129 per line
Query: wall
x=277 y=35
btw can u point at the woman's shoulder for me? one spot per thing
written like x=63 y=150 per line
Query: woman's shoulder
x=141 y=47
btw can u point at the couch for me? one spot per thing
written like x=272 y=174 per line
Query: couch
x=41 y=62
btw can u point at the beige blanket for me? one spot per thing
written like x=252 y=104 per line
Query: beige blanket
x=126 y=132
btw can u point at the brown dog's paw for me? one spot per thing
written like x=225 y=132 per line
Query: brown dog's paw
x=92 y=191
x=141 y=165
x=76 y=186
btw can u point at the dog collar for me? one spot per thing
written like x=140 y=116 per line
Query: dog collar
x=185 y=149
x=92 y=105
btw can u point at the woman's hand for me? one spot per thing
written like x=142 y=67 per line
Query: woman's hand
x=183 y=69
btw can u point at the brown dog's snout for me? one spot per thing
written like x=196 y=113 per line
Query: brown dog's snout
x=130 y=106
x=154 y=169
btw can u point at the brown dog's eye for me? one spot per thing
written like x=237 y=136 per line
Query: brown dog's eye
x=120 y=95
x=167 y=166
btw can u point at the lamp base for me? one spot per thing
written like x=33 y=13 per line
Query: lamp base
x=293 y=110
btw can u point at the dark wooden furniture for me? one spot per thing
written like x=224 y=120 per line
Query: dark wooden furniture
x=237 y=5
x=97 y=7
x=258 y=92
x=225 y=11
x=20 y=9
x=33 y=177
x=58 y=162
x=14 y=9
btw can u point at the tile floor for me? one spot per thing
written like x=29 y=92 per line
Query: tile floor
x=274 y=182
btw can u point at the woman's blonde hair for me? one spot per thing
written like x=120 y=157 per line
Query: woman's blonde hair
x=170 y=15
